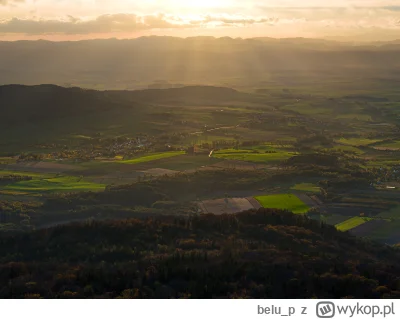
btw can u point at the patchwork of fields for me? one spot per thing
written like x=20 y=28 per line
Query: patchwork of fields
x=51 y=177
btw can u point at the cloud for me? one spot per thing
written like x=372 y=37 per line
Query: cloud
x=259 y=21
x=232 y=21
x=102 y=24
x=115 y=23
x=392 y=8
x=351 y=17
x=9 y=2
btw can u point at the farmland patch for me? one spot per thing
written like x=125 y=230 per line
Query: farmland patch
x=283 y=201
x=54 y=185
x=226 y=206
x=152 y=157
x=351 y=223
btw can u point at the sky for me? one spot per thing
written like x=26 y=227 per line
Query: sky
x=363 y=20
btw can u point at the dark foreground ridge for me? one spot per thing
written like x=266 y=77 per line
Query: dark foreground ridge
x=255 y=254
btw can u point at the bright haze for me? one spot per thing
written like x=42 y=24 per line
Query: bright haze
x=362 y=20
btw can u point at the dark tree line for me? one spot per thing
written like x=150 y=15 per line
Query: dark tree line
x=256 y=254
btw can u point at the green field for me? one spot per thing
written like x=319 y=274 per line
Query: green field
x=269 y=147
x=283 y=201
x=53 y=185
x=19 y=173
x=251 y=156
x=351 y=223
x=152 y=157
x=391 y=144
x=355 y=116
x=357 y=141
x=306 y=187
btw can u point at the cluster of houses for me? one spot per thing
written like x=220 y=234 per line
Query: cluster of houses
x=129 y=144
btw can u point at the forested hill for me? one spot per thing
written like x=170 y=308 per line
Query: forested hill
x=45 y=112
x=50 y=101
x=255 y=254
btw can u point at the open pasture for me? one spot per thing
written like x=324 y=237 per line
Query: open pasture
x=152 y=157
x=283 y=201
x=352 y=223
x=54 y=185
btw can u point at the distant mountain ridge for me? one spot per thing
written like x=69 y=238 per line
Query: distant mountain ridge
x=139 y=63
x=327 y=40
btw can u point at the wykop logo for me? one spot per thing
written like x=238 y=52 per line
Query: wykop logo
x=325 y=309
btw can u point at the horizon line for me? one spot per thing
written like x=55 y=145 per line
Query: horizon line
x=337 y=39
